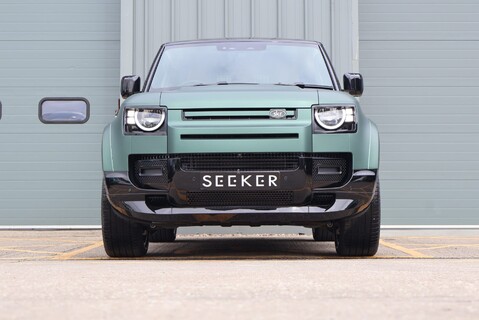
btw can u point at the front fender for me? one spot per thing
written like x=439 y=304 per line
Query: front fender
x=106 y=150
x=115 y=148
x=374 y=146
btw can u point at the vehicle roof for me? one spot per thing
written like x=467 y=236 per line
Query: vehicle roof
x=272 y=40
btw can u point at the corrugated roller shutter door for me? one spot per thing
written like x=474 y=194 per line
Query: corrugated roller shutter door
x=50 y=174
x=420 y=60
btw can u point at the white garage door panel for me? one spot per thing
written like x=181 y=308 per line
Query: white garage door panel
x=420 y=61
x=424 y=20
x=51 y=174
x=421 y=64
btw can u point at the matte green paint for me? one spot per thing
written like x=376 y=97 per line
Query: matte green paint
x=239 y=96
x=178 y=126
x=364 y=144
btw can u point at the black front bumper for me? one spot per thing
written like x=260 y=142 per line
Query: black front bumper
x=173 y=198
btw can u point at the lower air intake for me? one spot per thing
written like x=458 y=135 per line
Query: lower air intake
x=245 y=199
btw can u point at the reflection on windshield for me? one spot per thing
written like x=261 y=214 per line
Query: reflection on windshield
x=249 y=62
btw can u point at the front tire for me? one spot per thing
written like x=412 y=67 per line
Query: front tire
x=323 y=234
x=121 y=237
x=359 y=236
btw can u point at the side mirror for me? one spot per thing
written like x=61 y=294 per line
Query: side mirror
x=353 y=84
x=130 y=85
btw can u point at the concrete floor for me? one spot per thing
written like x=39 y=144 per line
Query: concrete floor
x=420 y=274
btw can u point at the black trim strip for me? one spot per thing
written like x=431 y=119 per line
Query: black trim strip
x=239 y=136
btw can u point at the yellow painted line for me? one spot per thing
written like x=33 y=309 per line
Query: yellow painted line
x=411 y=252
x=437 y=237
x=71 y=254
x=26 y=258
x=44 y=239
x=26 y=251
x=438 y=243
x=448 y=246
x=36 y=246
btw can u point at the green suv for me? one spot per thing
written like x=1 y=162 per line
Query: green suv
x=240 y=132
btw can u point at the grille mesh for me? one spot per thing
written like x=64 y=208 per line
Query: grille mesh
x=244 y=198
x=240 y=161
x=322 y=200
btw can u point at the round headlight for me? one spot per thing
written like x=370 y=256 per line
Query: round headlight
x=330 y=118
x=149 y=119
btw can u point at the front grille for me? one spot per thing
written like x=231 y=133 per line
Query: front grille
x=235 y=114
x=157 y=171
x=240 y=162
x=240 y=198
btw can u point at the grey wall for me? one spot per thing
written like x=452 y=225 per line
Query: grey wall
x=51 y=174
x=146 y=24
x=420 y=60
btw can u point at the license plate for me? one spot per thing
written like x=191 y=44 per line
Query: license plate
x=241 y=181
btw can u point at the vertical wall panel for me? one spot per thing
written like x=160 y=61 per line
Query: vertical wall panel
x=139 y=42
x=185 y=20
x=159 y=21
x=318 y=21
x=342 y=45
x=292 y=17
x=420 y=61
x=212 y=19
x=238 y=18
x=265 y=15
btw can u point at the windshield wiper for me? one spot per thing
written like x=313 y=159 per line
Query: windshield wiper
x=305 y=85
x=219 y=83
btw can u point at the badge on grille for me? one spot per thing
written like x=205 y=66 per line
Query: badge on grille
x=277 y=113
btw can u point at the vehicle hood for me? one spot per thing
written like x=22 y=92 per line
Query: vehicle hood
x=240 y=96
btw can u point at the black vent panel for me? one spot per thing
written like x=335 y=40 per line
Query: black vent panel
x=149 y=171
x=240 y=198
x=240 y=162
x=240 y=136
x=331 y=170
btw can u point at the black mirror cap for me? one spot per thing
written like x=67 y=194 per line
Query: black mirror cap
x=353 y=84
x=130 y=85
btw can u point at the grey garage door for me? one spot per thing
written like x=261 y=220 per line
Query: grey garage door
x=420 y=60
x=50 y=174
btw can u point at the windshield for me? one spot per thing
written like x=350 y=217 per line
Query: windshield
x=246 y=62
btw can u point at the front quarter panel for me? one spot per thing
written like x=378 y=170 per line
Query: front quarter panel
x=116 y=146
x=363 y=144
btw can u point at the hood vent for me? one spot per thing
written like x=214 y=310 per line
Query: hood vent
x=239 y=136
